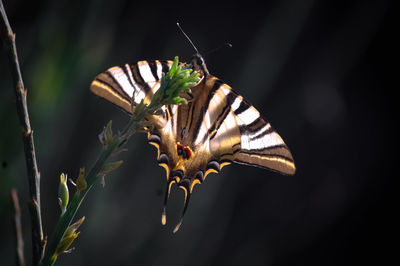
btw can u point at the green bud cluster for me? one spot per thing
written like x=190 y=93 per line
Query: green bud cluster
x=178 y=80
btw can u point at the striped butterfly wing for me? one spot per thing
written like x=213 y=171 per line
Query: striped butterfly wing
x=217 y=126
x=261 y=145
x=120 y=83
x=246 y=135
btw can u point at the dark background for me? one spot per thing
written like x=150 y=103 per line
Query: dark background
x=319 y=71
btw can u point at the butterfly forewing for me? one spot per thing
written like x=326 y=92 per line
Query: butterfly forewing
x=120 y=83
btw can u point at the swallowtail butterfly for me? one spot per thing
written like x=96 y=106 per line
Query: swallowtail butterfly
x=216 y=128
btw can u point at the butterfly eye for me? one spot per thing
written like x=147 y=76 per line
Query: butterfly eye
x=199 y=61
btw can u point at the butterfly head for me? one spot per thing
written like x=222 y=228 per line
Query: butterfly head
x=197 y=60
x=199 y=65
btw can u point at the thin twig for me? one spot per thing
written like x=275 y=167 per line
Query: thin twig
x=18 y=230
x=8 y=37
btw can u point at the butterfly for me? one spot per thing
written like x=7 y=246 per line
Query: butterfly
x=216 y=128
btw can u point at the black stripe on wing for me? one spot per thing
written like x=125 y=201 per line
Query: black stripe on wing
x=113 y=86
x=221 y=117
x=153 y=68
x=137 y=76
x=217 y=84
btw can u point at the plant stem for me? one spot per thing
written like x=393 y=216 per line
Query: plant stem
x=27 y=135
x=18 y=230
x=91 y=178
x=177 y=81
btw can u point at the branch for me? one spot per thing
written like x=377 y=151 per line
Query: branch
x=172 y=84
x=17 y=227
x=27 y=136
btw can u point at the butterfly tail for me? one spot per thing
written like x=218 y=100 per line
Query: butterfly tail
x=185 y=185
x=168 y=191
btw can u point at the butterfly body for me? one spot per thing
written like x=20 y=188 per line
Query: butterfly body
x=217 y=126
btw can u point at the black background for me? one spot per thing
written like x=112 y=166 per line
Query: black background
x=320 y=71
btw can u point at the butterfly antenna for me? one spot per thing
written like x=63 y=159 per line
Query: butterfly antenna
x=185 y=185
x=227 y=45
x=187 y=37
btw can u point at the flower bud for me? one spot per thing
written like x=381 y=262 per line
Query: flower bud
x=106 y=136
x=69 y=236
x=108 y=167
x=63 y=193
x=81 y=181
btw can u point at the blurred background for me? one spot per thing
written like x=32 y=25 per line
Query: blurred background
x=317 y=70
